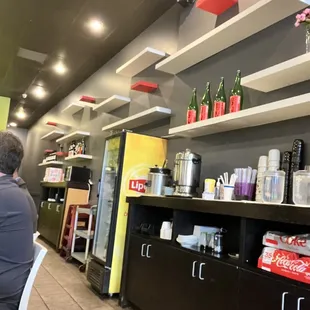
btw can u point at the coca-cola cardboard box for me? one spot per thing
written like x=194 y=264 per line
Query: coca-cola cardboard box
x=286 y=264
x=298 y=244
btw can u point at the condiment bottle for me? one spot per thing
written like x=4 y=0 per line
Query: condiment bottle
x=219 y=105
x=206 y=105
x=236 y=95
x=192 y=111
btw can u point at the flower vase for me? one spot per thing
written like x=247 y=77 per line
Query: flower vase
x=307 y=38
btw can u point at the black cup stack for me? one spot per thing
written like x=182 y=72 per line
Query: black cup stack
x=286 y=167
x=296 y=163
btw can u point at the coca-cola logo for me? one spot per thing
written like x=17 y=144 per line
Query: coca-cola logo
x=294 y=240
x=137 y=185
x=294 y=265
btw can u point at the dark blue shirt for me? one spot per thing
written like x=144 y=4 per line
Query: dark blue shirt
x=16 y=242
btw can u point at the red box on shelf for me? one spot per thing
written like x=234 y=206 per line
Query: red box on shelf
x=88 y=99
x=145 y=87
x=216 y=7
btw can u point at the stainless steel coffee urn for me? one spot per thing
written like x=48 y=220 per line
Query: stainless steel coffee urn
x=187 y=167
x=158 y=179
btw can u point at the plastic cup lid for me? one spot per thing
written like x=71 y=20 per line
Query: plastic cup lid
x=274 y=154
x=263 y=161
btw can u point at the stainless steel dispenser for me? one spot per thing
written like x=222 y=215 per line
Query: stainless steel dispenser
x=187 y=167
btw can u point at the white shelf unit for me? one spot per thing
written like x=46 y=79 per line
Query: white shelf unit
x=53 y=135
x=73 y=136
x=269 y=113
x=247 y=23
x=140 y=119
x=75 y=107
x=51 y=163
x=79 y=157
x=111 y=104
x=141 y=61
x=287 y=73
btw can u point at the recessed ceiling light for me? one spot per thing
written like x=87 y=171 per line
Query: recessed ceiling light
x=24 y=95
x=39 y=92
x=12 y=124
x=60 y=68
x=96 y=26
x=21 y=114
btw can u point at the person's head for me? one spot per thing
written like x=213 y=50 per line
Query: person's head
x=11 y=153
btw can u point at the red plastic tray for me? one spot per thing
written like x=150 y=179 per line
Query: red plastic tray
x=216 y=7
x=145 y=87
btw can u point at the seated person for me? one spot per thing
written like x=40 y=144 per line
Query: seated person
x=22 y=185
x=16 y=227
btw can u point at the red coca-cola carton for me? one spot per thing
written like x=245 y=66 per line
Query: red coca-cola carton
x=298 y=243
x=286 y=264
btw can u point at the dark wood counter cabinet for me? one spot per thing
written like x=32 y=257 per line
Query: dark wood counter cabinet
x=160 y=274
x=52 y=214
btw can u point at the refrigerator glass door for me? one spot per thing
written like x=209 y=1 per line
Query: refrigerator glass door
x=106 y=194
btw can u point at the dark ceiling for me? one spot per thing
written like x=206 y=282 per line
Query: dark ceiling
x=57 y=28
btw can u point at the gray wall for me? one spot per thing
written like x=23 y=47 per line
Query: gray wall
x=220 y=152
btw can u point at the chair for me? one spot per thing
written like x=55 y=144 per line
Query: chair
x=35 y=236
x=39 y=254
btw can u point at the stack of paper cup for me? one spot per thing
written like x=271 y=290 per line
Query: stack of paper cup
x=262 y=167
x=274 y=159
x=166 y=231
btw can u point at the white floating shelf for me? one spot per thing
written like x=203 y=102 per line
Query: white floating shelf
x=53 y=135
x=73 y=136
x=51 y=163
x=143 y=60
x=111 y=104
x=284 y=74
x=79 y=157
x=269 y=113
x=252 y=20
x=140 y=119
x=75 y=107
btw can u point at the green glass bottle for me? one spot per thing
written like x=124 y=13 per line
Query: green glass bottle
x=192 y=111
x=206 y=104
x=220 y=100
x=236 y=95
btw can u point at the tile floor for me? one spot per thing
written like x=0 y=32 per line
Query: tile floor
x=60 y=285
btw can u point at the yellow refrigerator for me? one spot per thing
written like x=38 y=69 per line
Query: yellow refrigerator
x=127 y=159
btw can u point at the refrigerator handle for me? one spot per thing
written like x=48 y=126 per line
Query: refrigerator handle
x=142 y=249
x=98 y=188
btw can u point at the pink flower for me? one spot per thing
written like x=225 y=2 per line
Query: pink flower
x=307 y=11
x=298 y=16
x=297 y=24
x=302 y=17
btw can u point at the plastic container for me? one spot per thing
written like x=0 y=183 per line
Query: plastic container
x=209 y=191
x=166 y=231
x=301 y=188
x=273 y=186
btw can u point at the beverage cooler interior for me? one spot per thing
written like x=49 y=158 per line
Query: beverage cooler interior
x=106 y=198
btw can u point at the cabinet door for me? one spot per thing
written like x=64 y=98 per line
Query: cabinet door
x=138 y=282
x=57 y=223
x=302 y=299
x=42 y=218
x=49 y=222
x=172 y=278
x=217 y=280
x=259 y=292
